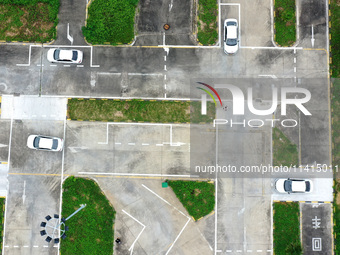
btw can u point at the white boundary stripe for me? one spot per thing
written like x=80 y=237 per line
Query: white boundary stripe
x=138 y=124
x=165 y=201
x=132 y=174
x=178 y=236
x=133 y=244
x=61 y=180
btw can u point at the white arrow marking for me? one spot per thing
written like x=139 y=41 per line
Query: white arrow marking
x=24 y=194
x=68 y=34
x=313 y=40
x=74 y=149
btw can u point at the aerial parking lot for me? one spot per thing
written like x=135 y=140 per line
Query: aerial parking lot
x=160 y=58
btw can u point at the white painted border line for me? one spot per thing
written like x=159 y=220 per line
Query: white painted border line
x=132 y=174
x=178 y=236
x=133 y=244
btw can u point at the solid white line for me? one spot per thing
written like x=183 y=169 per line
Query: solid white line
x=219 y=24
x=131 y=144
x=228 y=4
x=163 y=38
x=178 y=236
x=149 y=74
x=271 y=48
x=133 y=218
x=124 y=98
x=64 y=46
x=62 y=177
x=132 y=174
x=165 y=201
x=133 y=244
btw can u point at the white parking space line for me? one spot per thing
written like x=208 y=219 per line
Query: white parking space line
x=141 y=124
x=29 y=55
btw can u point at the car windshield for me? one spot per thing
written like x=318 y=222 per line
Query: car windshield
x=307 y=186
x=231 y=23
x=74 y=55
x=56 y=54
x=231 y=42
x=36 y=142
x=55 y=144
x=288 y=186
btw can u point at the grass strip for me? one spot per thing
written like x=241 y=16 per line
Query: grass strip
x=23 y=20
x=91 y=229
x=285 y=153
x=207 y=22
x=2 y=218
x=198 y=198
x=287 y=228
x=335 y=38
x=139 y=110
x=110 y=21
x=285 y=22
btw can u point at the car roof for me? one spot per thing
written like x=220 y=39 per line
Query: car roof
x=45 y=143
x=232 y=32
x=65 y=54
x=298 y=186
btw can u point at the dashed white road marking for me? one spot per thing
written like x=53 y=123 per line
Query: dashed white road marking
x=249 y=250
x=165 y=77
x=16 y=246
x=80 y=65
x=294 y=60
x=53 y=65
x=25 y=246
x=66 y=65
x=164 y=67
x=294 y=69
x=238 y=250
x=259 y=250
x=145 y=144
x=164 y=58
x=35 y=246
x=118 y=143
x=131 y=144
x=159 y=144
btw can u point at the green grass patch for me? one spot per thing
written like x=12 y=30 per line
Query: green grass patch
x=335 y=40
x=207 y=22
x=287 y=228
x=336 y=216
x=91 y=229
x=336 y=121
x=285 y=153
x=2 y=218
x=285 y=22
x=33 y=21
x=139 y=110
x=197 y=197
x=110 y=21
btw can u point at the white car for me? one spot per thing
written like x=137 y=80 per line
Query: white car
x=230 y=44
x=40 y=142
x=65 y=56
x=293 y=185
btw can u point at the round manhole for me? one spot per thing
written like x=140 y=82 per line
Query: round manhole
x=166 y=27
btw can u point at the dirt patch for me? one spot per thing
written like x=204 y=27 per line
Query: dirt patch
x=118 y=114
x=197 y=192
